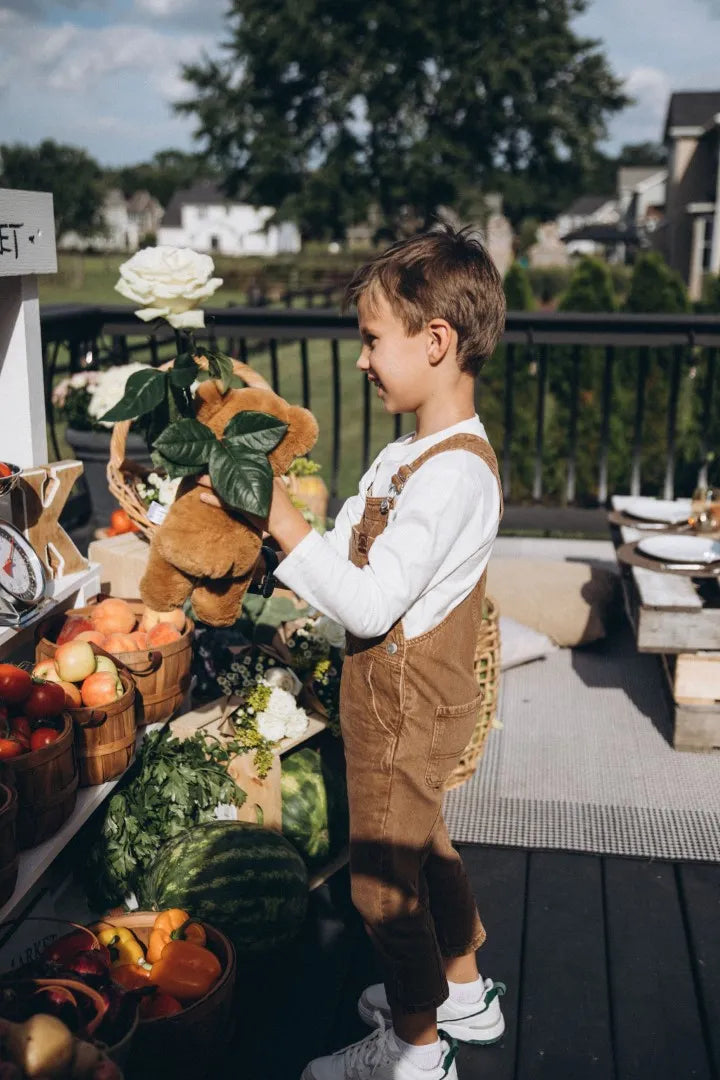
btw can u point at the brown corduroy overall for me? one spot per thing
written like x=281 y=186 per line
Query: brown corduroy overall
x=408 y=710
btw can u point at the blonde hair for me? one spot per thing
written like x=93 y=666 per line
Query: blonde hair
x=445 y=274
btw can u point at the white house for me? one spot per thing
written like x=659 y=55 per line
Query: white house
x=125 y=223
x=588 y=210
x=204 y=219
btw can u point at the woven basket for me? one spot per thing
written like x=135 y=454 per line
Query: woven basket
x=487 y=673
x=123 y=475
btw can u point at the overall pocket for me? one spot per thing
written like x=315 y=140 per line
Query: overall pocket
x=452 y=731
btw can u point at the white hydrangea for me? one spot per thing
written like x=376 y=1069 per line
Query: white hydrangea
x=282 y=718
x=158 y=489
x=108 y=388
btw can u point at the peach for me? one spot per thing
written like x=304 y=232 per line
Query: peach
x=151 y=618
x=140 y=638
x=73 y=626
x=93 y=636
x=73 y=697
x=101 y=688
x=113 y=616
x=75 y=660
x=162 y=634
x=47 y=670
x=119 y=643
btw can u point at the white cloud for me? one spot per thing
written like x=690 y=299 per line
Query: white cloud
x=163 y=8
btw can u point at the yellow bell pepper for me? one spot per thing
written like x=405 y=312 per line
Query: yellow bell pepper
x=123 y=945
x=173 y=925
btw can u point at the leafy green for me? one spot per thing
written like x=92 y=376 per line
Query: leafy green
x=186 y=442
x=243 y=479
x=172 y=786
x=144 y=390
x=172 y=468
x=255 y=431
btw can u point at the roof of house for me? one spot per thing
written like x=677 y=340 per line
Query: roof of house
x=587 y=204
x=630 y=175
x=603 y=234
x=692 y=108
x=203 y=193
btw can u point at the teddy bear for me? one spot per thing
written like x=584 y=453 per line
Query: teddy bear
x=210 y=553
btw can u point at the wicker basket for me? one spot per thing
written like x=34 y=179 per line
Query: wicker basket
x=487 y=673
x=123 y=475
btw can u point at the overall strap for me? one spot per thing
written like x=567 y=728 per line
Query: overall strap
x=464 y=441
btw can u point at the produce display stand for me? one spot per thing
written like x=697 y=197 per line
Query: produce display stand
x=264 y=798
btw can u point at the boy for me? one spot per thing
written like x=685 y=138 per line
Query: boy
x=404 y=572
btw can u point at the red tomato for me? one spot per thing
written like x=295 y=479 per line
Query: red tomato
x=15 y=684
x=5 y=470
x=45 y=699
x=10 y=748
x=121 y=522
x=43 y=736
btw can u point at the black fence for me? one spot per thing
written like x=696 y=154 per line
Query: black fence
x=578 y=406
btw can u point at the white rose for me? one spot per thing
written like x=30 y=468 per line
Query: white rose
x=284 y=679
x=271 y=727
x=331 y=631
x=169 y=283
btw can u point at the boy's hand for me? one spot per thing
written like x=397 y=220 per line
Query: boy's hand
x=285 y=522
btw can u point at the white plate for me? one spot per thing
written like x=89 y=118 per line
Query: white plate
x=670 y=511
x=680 y=549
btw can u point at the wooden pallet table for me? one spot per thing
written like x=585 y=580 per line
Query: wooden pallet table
x=678 y=618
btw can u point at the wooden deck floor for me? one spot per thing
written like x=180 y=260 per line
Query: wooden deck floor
x=612 y=967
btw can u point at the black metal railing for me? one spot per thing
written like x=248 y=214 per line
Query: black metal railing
x=577 y=405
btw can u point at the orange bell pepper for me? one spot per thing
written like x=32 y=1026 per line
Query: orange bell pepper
x=173 y=925
x=131 y=976
x=185 y=970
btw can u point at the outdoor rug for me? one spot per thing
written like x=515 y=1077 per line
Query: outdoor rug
x=584 y=762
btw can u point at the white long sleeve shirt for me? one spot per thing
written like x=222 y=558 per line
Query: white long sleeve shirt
x=433 y=550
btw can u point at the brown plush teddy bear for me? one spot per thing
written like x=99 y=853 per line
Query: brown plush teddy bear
x=208 y=552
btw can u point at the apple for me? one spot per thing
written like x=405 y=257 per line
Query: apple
x=75 y=661
x=162 y=633
x=101 y=688
x=73 y=698
x=47 y=670
x=73 y=625
x=113 y=616
x=151 y=618
x=104 y=663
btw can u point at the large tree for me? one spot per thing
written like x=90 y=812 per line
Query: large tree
x=74 y=178
x=405 y=104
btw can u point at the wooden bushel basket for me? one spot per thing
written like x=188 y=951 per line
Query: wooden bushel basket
x=203 y=1028
x=105 y=737
x=46 y=782
x=487 y=673
x=123 y=474
x=161 y=674
x=8 y=843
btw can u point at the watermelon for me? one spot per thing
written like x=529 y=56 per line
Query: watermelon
x=249 y=882
x=314 y=806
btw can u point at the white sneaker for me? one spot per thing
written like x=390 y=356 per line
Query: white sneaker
x=481 y=1022
x=378 y=1057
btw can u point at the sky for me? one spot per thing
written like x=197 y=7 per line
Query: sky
x=102 y=74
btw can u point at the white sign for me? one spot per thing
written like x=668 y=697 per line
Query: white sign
x=27 y=233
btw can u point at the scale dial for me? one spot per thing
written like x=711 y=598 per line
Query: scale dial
x=22 y=575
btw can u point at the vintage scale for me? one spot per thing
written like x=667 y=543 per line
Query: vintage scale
x=23 y=578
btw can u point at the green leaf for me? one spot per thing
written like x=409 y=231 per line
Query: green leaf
x=242 y=479
x=225 y=369
x=255 y=430
x=143 y=391
x=183 y=376
x=186 y=442
x=172 y=468
x=203 y=375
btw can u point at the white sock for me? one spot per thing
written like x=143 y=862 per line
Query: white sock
x=467 y=993
x=428 y=1056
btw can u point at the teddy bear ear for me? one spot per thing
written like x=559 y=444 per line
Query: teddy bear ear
x=300 y=437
